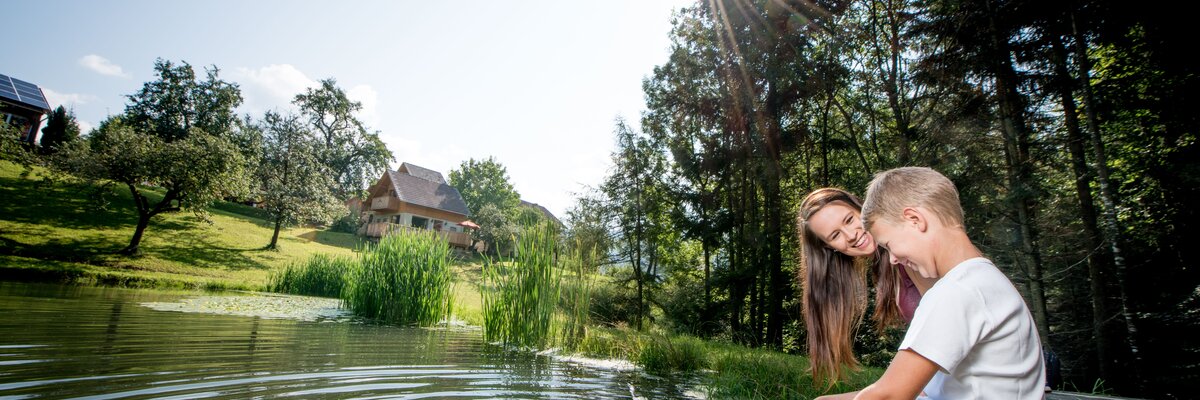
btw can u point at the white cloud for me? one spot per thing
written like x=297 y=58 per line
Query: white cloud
x=102 y=66
x=272 y=87
x=70 y=100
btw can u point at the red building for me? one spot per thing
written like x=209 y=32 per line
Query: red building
x=22 y=104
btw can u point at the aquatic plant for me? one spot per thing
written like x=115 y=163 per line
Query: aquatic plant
x=405 y=278
x=320 y=275
x=577 y=295
x=520 y=295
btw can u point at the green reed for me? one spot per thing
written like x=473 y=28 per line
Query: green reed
x=577 y=295
x=406 y=278
x=321 y=275
x=520 y=295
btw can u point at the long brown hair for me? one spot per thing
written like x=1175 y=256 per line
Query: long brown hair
x=834 y=291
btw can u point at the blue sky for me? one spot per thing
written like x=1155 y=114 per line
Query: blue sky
x=536 y=84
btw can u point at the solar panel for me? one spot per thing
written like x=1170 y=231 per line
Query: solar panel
x=6 y=88
x=21 y=91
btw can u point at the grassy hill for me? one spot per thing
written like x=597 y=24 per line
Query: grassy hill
x=55 y=230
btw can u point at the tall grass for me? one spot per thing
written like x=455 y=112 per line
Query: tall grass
x=519 y=296
x=577 y=296
x=404 y=279
x=321 y=275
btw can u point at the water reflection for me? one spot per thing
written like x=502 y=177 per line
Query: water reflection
x=99 y=343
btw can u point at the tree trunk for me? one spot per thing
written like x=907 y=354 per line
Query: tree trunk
x=637 y=249
x=1107 y=196
x=275 y=236
x=1019 y=171
x=132 y=248
x=1087 y=205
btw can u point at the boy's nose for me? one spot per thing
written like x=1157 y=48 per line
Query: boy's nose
x=892 y=258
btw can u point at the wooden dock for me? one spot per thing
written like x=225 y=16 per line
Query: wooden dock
x=1057 y=395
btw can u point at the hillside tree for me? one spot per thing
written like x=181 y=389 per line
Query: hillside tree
x=354 y=156
x=172 y=136
x=295 y=186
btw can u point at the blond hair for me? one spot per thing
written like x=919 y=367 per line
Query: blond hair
x=893 y=190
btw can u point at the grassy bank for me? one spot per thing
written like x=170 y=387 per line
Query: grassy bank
x=730 y=371
x=55 y=231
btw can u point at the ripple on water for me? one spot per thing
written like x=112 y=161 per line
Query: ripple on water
x=107 y=344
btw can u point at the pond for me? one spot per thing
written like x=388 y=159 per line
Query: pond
x=108 y=343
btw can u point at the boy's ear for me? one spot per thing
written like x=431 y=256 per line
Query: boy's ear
x=914 y=217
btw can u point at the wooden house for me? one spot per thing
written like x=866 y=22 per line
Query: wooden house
x=22 y=104
x=413 y=197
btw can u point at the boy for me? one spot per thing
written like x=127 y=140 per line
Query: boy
x=972 y=324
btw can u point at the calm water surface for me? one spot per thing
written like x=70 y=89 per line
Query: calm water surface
x=106 y=343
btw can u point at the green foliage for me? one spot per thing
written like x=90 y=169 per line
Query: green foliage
x=496 y=229
x=638 y=204
x=195 y=171
x=405 y=279
x=355 y=156
x=11 y=147
x=61 y=128
x=321 y=275
x=577 y=295
x=660 y=354
x=614 y=300
x=588 y=228
x=176 y=103
x=295 y=186
x=173 y=135
x=529 y=215
x=520 y=296
x=485 y=182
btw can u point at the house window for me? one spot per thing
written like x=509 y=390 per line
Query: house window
x=419 y=222
x=396 y=219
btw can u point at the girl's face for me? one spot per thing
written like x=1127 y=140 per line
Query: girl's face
x=839 y=226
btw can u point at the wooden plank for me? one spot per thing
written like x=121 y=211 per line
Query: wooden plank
x=1057 y=395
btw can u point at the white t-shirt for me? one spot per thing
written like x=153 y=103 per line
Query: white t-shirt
x=975 y=326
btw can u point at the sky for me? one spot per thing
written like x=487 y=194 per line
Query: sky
x=536 y=84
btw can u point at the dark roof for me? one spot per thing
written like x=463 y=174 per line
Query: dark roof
x=542 y=210
x=422 y=172
x=425 y=192
x=23 y=93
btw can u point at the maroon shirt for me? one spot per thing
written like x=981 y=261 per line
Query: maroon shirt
x=910 y=297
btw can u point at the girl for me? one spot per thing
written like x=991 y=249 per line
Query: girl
x=835 y=253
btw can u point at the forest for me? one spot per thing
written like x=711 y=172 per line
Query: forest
x=1069 y=128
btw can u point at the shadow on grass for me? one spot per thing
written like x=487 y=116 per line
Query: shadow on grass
x=66 y=205
x=336 y=239
x=192 y=246
x=62 y=205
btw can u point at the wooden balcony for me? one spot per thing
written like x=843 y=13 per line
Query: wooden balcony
x=385 y=203
x=381 y=229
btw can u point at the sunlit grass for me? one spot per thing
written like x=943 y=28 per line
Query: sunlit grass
x=57 y=220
